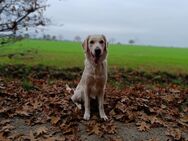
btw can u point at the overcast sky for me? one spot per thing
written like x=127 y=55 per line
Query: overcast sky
x=150 y=22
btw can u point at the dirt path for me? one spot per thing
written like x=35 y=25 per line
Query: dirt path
x=124 y=132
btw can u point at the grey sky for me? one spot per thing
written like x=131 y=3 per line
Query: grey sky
x=150 y=22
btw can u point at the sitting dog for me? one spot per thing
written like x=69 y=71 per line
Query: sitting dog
x=94 y=77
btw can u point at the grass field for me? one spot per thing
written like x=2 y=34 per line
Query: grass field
x=70 y=54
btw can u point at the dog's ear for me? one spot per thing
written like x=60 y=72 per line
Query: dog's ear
x=105 y=40
x=85 y=43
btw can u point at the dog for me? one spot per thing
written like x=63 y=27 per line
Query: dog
x=94 y=77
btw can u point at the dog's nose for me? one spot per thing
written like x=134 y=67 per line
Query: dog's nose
x=97 y=52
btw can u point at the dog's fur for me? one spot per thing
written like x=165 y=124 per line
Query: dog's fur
x=94 y=77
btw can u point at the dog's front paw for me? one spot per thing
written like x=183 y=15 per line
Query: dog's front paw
x=86 y=116
x=104 y=117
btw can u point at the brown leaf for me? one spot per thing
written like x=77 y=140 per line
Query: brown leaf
x=152 y=139
x=143 y=126
x=122 y=107
x=32 y=137
x=94 y=128
x=109 y=128
x=4 y=122
x=116 y=139
x=16 y=136
x=3 y=109
x=55 y=119
x=168 y=98
x=41 y=130
x=131 y=115
x=22 y=112
x=36 y=104
x=155 y=120
x=175 y=133
x=184 y=119
x=2 y=137
x=66 y=129
x=7 y=128
x=112 y=113
x=55 y=139
x=119 y=116
x=144 y=116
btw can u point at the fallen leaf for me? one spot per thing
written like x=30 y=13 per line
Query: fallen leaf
x=32 y=137
x=16 y=136
x=143 y=126
x=7 y=128
x=119 y=116
x=22 y=112
x=155 y=120
x=55 y=139
x=55 y=119
x=3 y=122
x=122 y=107
x=144 y=116
x=36 y=104
x=168 y=98
x=116 y=139
x=3 y=109
x=175 y=133
x=152 y=139
x=2 y=137
x=41 y=130
x=109 y=128
x=94 y=128
x=184 y=119
x=66 y=129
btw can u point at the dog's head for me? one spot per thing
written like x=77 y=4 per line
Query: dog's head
x=95 y=47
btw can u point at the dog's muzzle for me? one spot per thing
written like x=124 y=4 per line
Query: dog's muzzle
x=97 y=52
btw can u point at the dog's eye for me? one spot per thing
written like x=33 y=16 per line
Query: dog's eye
x=101 y=42
x=91 y=42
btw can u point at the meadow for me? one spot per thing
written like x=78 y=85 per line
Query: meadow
x=61 y=54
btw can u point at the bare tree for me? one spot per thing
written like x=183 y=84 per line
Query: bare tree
x=16 y=15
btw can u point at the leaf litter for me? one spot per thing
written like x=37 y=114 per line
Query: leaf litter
x=131 y=97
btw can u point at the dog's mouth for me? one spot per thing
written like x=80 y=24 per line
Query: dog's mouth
x=96 y=57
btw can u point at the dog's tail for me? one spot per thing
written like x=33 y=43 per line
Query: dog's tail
x=69 y=90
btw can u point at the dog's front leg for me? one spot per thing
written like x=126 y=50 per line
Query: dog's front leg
x=101 y=105
x=87 y=104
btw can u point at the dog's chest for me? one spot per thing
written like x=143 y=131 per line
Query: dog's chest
x=97 y=84
x=97 y=81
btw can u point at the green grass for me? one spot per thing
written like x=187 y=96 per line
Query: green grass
x=70 y=54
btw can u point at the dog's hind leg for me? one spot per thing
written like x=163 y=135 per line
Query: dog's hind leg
x=77 y=98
